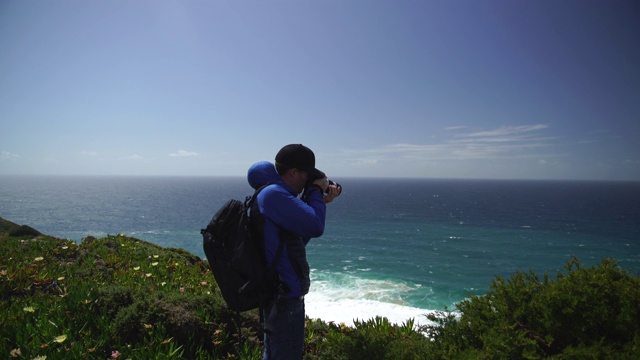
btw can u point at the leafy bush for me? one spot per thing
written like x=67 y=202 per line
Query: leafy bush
x=592 y=312
x=375 y=338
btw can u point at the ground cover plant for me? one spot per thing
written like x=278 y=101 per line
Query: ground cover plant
x=115 y=297
x=121 y=297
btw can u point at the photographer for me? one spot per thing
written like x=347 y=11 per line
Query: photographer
x=294 y=209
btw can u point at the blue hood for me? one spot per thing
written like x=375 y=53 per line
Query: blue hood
x=261 y=173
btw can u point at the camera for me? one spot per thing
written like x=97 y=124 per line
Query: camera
x=315 y=175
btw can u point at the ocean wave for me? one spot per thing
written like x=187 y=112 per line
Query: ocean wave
x=342 y=298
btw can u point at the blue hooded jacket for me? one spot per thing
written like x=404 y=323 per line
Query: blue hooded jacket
x=284 y=210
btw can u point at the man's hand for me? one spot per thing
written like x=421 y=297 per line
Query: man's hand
x=322 y=183
x=331 y=193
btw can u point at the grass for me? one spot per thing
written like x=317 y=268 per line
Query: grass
x=114 y=297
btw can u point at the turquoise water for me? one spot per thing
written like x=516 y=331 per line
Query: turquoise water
x=398 y=248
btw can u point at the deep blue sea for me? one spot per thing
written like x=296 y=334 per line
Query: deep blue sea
x=393 y=247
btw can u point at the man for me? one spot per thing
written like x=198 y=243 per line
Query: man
x=294 y=221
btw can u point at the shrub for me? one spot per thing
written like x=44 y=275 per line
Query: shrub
x=586 y=311
x=371 y=339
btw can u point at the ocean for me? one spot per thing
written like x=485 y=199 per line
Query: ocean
x=399 y=248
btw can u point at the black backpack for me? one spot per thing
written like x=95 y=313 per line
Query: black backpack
x=233 y=243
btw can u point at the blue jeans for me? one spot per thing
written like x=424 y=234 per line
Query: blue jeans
x=286 y=338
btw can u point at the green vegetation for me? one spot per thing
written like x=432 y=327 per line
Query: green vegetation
x=120 y=297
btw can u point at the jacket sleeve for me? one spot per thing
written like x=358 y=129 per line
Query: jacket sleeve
x=294 y=215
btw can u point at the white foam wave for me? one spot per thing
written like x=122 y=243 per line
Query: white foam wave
x=343 y=298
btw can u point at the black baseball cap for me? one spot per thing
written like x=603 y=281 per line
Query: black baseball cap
x=297 y=156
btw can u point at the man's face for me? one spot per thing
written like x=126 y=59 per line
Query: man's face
x=300 y=179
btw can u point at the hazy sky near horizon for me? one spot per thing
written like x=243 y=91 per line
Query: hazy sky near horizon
x=403 y=88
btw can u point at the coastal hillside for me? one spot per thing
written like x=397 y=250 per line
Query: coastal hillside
x=110 y=297
x=122 y=297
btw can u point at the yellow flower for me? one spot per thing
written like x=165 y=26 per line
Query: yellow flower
x=15 y=353
x=148 y=326
x=61 y=278
x=148 y=274
x=60 y=339
x=136 y=268
x=164 y=283
x=65 y=247
x=154 y=264
x=156 y=256
x=29 y=309
x=39 y=258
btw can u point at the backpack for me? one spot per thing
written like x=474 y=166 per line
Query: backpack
x=233 y=243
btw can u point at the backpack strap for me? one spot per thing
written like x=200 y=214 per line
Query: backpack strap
x=248 y=204
x=249 y=200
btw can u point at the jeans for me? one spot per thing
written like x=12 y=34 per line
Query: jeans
x=286 y=338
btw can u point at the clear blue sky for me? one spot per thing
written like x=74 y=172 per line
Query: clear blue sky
x=403 y=88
